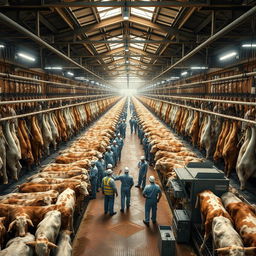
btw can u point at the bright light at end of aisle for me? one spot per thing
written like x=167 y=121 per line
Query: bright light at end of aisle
x=128 y=92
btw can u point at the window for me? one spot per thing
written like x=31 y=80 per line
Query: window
x=143 y=12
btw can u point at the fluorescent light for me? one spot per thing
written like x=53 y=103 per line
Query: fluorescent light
x=26 y=56
x=127 y=61
x=227 y=56
x=54 y=68
x=126 y=49
x=80 y=78
x=184 y=73
x=174 y=77
x=70 y=73
x=199 y=67
x=2 y=46
x=249 y=45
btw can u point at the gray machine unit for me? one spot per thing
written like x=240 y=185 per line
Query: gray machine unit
x=191 y=180
x=166 y=243
x=181 y=226
x=195 y=178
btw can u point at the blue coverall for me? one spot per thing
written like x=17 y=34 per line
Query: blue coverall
x=145 y=146
x=115 y=150
x=141 y=134
x=100 y=164
x=120 y=144
x=131 y=124
x=135 y=125
x=143 y=168
x=123 y=129
x=127 y=183
x=109 y=158
x=94 y=180
x=151 y=193
x=109 y=189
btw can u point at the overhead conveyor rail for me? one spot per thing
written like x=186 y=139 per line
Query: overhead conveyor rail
x=205 y=111
x=49 y=110
x=30 y=79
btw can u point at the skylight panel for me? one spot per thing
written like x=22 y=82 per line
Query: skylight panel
x=138 y=46
x=109 y=12
x=117 y=58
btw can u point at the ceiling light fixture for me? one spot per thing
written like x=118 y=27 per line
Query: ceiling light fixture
x=228 y=56
x=249 y=45
x=70 y=73
x=26 y=56
x=184 y=73
x=2 y=46
x=199 y=68
x=53 y=68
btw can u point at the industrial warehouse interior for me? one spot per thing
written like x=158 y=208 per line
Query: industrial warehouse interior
x=128 y=128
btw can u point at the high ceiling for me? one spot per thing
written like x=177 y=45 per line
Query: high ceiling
x=96 y=35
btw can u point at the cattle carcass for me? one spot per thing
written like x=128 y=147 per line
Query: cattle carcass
x=3 y=145
x=47 y=134
x=244 y=218
x=210 y=207
x=2 y=231
x=64 y=244
x=46 y=233
x=246 y=167
x=18 y=246
x=13 y=153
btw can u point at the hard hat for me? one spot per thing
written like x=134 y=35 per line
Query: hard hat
x=100 y=155
x=126 y=169
x=118 y=134
x=114 y=141
x=108 y=147
x=142 y=158
x=124 y=120
x=109 y=171
x=109 y=166
x=151 y=178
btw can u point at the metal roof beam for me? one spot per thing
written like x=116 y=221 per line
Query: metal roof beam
x=202 y=3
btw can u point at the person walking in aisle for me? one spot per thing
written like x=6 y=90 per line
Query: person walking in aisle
x=131 y=121
x=109 y=191
x=100 y=164
x=127 y=183
x=143 y=168
x=120 y=143
x=153 y=194
x=123 y=128
x=135 y=124
x=115 y=150
x=109 y=156
x=93 y=179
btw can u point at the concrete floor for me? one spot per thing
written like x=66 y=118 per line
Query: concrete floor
x=123 y=234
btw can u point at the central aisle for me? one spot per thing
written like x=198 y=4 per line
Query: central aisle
x=124 y=234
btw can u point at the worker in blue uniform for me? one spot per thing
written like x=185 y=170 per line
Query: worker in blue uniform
x=141 y=134
x=135 y=124
x=152 y=193
x=143 y=168
x=100 y=164
x=115 y=150
x=93 y=172
x=120 y=143
x=109 y=191
x=145 y=145
x=131 y=121
x=109 y=156
x=123 y=128
x=127 y=183
x=109 y=166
